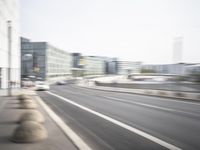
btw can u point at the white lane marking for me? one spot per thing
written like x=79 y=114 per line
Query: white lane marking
x=123 y=125
x=66 y=129
x=191 y=103
x=69 y=91
x=142 y=104
x=174 y=100
x=151 y=106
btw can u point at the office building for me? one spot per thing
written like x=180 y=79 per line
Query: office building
x=192 y=69
x=111 y=66
x=42 y=61
x=173 y=69
x=77 y=65
x=128 y=67
x=9 y=44
x=76 y=60
x=93 y=65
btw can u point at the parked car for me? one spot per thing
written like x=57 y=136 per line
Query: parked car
x=40 y=85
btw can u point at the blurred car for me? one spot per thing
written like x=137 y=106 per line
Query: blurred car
x=61 y=82
x=41 y=86
x=26 y=82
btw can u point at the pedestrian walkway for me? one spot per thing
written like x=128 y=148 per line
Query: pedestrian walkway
x=10 y=113
x=4 y=92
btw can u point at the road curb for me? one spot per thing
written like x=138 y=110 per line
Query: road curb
x=76 y=140
x=157 y=93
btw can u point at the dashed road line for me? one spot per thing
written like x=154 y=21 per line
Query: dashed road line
x=151 y=106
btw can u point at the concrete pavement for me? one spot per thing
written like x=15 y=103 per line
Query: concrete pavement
x=9 y=115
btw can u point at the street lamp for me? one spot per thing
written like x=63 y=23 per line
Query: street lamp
x=9 y=27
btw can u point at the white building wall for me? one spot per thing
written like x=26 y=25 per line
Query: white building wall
x=4 y=78
x=9 y=11
x=93 y=66
x=125 y=66
x=59 y=64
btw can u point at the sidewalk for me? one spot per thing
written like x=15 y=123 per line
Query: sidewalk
x=9 y=115
x=4 y=92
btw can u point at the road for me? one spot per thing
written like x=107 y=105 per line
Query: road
x=184 y=87
x=175 y=122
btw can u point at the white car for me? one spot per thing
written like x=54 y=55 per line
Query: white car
x=41 y=86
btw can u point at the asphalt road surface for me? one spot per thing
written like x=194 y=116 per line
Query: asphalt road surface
x=140 y=122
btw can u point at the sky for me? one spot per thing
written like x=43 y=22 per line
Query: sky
x=133 y=30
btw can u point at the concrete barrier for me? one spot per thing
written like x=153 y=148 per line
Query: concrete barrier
x=152 y=92
x=153 y=86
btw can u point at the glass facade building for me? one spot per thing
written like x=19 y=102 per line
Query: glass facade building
x=9 y=43
x=175 y=69
x=44 y=61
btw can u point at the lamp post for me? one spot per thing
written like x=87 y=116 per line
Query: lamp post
x=9 y=27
